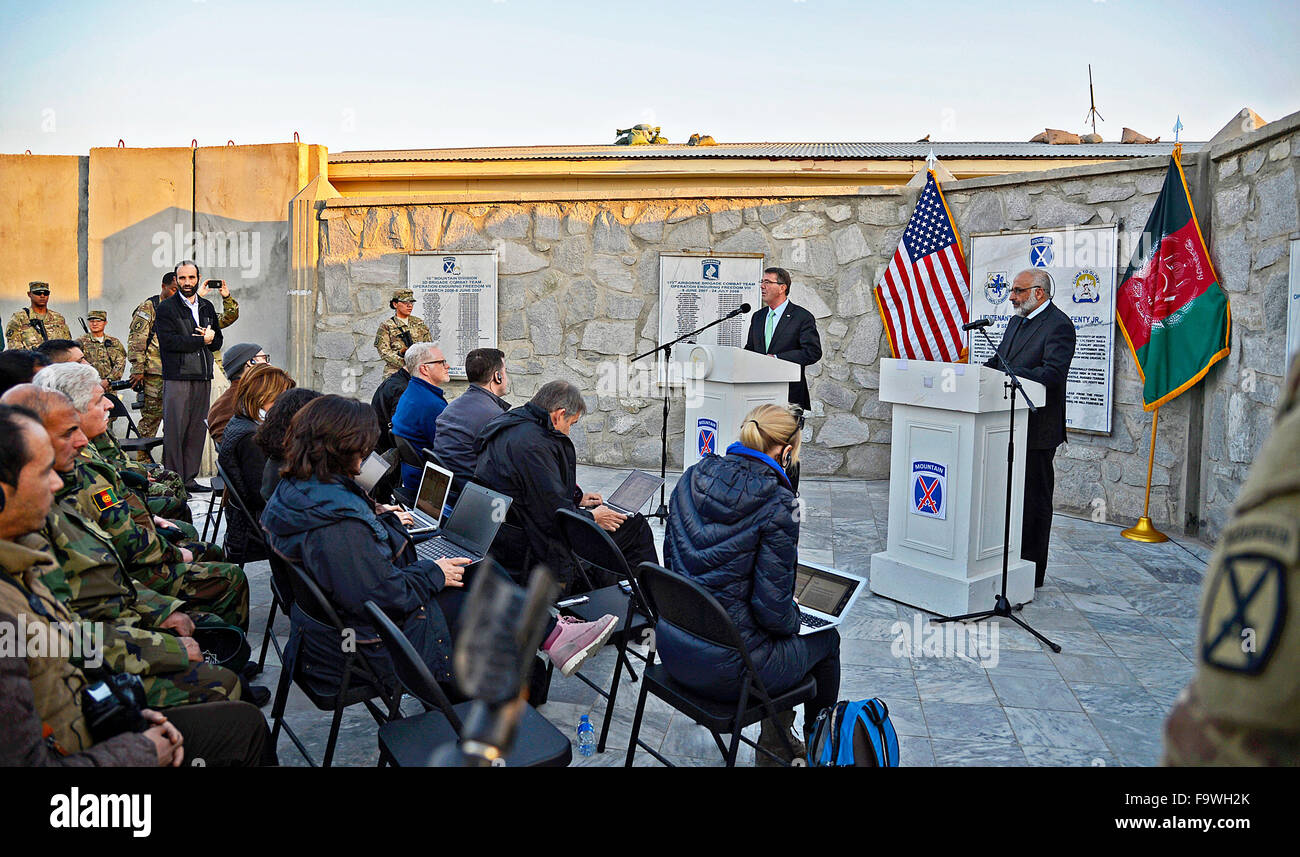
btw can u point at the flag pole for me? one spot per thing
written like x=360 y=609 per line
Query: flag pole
x=1144 y=530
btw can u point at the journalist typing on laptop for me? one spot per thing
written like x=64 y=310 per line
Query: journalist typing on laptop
x=733 y=528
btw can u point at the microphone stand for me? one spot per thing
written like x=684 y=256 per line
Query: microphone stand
x=1001 y=606
x=662 y=512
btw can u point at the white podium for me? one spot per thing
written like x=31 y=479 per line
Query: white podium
x=947 y=488
x=725 y=384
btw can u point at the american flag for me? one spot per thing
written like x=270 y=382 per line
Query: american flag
x=924 y=296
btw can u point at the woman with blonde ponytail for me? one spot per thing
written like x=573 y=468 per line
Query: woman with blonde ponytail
x=733 y=527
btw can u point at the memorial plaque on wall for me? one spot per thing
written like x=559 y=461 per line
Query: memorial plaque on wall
x=456 y=295
x=697 y=288
x=1081 y=262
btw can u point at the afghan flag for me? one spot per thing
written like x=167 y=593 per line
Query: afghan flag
x=1172 y=311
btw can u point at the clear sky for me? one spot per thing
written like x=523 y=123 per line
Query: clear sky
x=397 y=74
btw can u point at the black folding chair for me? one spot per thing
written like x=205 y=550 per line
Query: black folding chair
x=413 y=741
x=592 y=549
x=408 y=455
x=367 y=687
x=129 y=443
x=218 y=485
x=689 y=606
x=232 y=496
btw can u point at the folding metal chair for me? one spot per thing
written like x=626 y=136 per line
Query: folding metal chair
x=689 y=606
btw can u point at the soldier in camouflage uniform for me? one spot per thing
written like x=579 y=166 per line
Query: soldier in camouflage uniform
x=94 y=489
x=146 y=359
x=164 y=492
x=1243 y=704
x=92 y=580
x=28 y=328
x=102 y=351
x=400 y=332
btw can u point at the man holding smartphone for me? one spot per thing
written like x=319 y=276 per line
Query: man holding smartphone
x=188 y=335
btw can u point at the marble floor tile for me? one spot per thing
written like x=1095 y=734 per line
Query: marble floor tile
x=984 y=754
x=976 y=723
x=1020 y=691
x=1118 y=700
x=915 y=752
x=1062 y=757
x=1066 y=729
x=866 y=682
x=1093 y=669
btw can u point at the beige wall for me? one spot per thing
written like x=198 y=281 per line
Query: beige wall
x=39 y=195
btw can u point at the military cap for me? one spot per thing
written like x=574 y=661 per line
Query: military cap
x=97 y=315
x=36 y=285
x=403 y=295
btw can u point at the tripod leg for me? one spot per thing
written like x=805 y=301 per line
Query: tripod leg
x=983 y=614
x=1022 y=624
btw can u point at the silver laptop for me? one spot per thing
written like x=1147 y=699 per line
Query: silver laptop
x=435 y=484
x=632 y=495
x=824 y=595
x=471 y=526
x=372 y=470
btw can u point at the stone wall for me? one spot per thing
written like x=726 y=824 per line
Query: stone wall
x=579 y=291
x=1255 y=217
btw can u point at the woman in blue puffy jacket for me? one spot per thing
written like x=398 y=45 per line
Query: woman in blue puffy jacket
x=733 y=527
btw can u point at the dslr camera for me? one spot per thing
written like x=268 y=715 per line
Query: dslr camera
x=114 y=706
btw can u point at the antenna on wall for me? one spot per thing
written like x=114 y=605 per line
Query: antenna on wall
x=1092 y=114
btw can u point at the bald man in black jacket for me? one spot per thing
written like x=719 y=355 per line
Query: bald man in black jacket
x=1039 y=345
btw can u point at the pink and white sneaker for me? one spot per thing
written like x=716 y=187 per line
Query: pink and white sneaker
x=573 y=640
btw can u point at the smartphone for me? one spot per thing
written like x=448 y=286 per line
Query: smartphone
x=212 y=284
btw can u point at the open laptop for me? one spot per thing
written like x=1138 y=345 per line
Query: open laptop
x=435 y=485
x=471 y=526
x=824 y=595
x=372 y=470
x=632 y=495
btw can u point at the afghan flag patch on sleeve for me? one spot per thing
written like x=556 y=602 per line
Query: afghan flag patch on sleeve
x=106 y=499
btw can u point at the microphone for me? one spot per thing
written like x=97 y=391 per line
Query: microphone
x=743 y=308
x=976 y=325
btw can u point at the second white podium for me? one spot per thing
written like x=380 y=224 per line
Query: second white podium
x=728 y=383
x=947 y=488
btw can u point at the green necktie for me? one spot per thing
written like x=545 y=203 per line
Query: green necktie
x=771 y=325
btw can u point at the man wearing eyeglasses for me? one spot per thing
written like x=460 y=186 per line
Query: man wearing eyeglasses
x=31 y=326
x=786 y=331
x=416 y=417
x=1039 y=345
x=400 y=332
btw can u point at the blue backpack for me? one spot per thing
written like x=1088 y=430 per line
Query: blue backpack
x=854 y=734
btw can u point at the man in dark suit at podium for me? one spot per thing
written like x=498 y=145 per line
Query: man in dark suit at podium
x=786 y=331
x=1039 y=345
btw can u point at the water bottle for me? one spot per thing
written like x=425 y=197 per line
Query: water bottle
x=586 y=737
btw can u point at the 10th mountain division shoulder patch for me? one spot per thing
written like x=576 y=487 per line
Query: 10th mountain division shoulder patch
x=1246 y=603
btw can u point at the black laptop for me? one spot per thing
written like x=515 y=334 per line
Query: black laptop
x=471 y=526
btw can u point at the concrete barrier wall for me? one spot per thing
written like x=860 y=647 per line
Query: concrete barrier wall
x=41 y=197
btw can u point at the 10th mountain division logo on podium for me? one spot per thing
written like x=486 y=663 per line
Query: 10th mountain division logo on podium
x=929 y=490
x=708 y=436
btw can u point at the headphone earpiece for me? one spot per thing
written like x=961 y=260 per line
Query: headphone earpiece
x=496 y=379
x=2 y=498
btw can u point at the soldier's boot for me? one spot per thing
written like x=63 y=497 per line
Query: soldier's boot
x=200 y=682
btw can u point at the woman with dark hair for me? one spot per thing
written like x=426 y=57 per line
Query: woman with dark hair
x=241 y=459
x=272 y=437
x=354 y=550
x=733 y=528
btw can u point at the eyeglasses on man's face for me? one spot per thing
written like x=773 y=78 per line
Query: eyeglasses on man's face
x=1024 y=290
x=435 y=362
